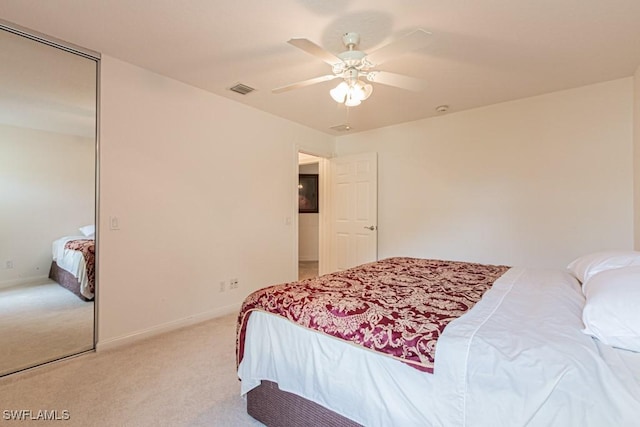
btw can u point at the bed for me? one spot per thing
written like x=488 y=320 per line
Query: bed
x=515 y=352
x=73 y=265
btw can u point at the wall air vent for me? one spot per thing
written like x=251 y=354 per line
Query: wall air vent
x=241 y=89
x=341 y=128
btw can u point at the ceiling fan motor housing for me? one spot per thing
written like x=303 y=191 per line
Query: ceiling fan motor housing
x=352 y=58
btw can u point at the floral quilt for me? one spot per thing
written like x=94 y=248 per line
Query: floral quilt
x=88 y=249
x=397 y=307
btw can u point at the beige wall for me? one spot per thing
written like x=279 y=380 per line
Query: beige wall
x=636 y=157
x=532 y=182
x=204 y=189
x=47 y=190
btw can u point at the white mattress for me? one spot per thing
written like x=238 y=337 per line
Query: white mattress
x=517 y=358
x=73 y=262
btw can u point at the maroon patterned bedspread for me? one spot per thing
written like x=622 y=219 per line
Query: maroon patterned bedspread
x=88 y=249
x=397 y=306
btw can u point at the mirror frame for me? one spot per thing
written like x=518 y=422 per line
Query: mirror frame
x=96 y=57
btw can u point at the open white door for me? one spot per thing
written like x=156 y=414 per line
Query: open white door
x=354 y=210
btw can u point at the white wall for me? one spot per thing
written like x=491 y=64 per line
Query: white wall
x=308 y=226
x=532 y=182
x=47 y=190
x=204 y=189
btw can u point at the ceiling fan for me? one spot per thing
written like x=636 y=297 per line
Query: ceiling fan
x=352 y=65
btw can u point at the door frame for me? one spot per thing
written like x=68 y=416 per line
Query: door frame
x=325 y=204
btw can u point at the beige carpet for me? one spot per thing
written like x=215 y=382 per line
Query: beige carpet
x=307 y=269
x=41 y=322
x=182 y=378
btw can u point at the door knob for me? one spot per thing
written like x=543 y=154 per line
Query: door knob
x=371 y=227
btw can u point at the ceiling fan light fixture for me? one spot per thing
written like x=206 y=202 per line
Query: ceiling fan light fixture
x=367 y=90
x=339 y=93
x=351 y=94
x=352 y=101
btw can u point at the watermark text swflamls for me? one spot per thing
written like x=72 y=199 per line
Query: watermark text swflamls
x=40 y=415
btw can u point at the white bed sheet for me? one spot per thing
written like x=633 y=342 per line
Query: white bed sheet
x=73 y=262
x=517 y=358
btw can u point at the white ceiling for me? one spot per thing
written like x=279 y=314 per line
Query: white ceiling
x=480 y=53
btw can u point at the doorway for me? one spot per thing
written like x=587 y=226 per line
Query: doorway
x=344 y=231
x=308 y=219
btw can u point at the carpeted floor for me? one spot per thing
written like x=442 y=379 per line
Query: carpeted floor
x=307 y=269
x=40 y=322
x=183 y=378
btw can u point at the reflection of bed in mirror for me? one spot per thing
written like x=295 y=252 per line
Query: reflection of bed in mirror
x=73 y=265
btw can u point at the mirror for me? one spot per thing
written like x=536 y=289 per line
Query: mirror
x=47 y=192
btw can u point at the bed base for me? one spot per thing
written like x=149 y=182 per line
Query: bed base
x=66 y=280
x=276 y=408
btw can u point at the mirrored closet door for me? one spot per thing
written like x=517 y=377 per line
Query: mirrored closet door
x=48 y=99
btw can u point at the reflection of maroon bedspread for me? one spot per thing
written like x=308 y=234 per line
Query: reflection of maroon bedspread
x=398 y=306
x=88 y=249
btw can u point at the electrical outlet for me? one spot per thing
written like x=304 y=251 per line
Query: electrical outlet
x=223 y=286
x=9 y=265
x=233 y=284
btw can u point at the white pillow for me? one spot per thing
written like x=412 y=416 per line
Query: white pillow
x=586 y=266
x=88 y=230
x=612 y=309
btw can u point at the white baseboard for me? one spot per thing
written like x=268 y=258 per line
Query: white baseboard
x=102 y=345
x=21 y=281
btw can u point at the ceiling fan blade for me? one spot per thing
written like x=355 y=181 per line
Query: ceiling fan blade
x=304 y=83
x=412 y=41
x=397 y=80
x=315 y=50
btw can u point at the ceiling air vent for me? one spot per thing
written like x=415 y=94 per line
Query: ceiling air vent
x=241 y=89
x=341 y=128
